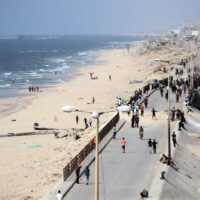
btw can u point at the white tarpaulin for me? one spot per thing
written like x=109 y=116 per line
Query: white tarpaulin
x=195 y=33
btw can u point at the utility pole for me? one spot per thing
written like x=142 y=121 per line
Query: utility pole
x=169 y=128
x=97 y=162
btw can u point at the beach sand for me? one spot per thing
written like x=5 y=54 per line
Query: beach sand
x=30 y=166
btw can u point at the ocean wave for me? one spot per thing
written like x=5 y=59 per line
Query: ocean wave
x=59 y=60
x=6 y=85
x=35 y=75
x=55 y=50
x=85 y=53
x=61 y=81
x=7 y=73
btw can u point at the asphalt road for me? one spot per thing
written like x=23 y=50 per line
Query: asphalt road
x=125 y=175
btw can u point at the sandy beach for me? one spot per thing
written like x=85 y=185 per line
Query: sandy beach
x=30 y=166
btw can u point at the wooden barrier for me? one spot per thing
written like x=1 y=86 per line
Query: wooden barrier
x=76 y=161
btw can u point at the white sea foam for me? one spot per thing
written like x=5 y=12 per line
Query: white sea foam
x=61 y=81
x=6 y=85
x=82 y=53
x=7 y=73
x=59 y=60
x=42 y=70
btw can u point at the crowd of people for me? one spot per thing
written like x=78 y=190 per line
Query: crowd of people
x=33 y=89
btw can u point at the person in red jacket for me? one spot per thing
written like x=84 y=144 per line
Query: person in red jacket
x=123 y=144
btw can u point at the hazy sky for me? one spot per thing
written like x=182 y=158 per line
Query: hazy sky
x=93 y=16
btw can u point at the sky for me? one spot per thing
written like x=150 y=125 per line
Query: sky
x=47 y=17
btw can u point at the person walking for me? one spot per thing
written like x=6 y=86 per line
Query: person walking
x=77 y=119
x=114 y=132
x=90 y=122
x=153 y=113
x=86 y=123
x=146 y=102
x=133 y=121
x=154 y=144
x=150 y=145
x=141 y=132
x=78 y=174
x=177 y=97
x=93 y=100
x=123 y=144
x=174 y=139
x=142 y=110
x=59 y=195
x=87 y=174
x=137 y=119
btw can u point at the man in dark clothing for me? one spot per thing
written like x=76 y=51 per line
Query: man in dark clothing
x=78 y=174
x=177 y=97
x=180 y=125
x=86 y=124
x=174 y=139
x=154 y=144
x=87 y=174
x=146 y=102
x=150 y=145
x=153 y=113
x=114 y=132
x=77 y=119
x=133 y=121
x=137 y=119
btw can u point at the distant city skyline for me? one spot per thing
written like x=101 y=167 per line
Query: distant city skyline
x=69 y=17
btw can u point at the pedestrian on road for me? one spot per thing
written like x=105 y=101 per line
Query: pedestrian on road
x=141 y=132
x=114 y=132
x=78 y=174
x=77 y=119
x=87 y=174
x=59 y=196
x=177 y=97
x=123 y=144
x=142 y=109
x=133 y=121
x=153 y=113
x=137 y=119
x=154 y=143
x=146 y=102
x=174 y=139
x=150 y=145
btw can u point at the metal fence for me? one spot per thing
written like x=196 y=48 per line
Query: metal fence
x=76 y=161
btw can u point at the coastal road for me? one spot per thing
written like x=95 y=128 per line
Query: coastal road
x=125 y=175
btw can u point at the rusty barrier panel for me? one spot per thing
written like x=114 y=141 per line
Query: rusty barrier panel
x=76 y=161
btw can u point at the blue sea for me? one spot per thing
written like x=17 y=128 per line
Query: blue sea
x=46 y=60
